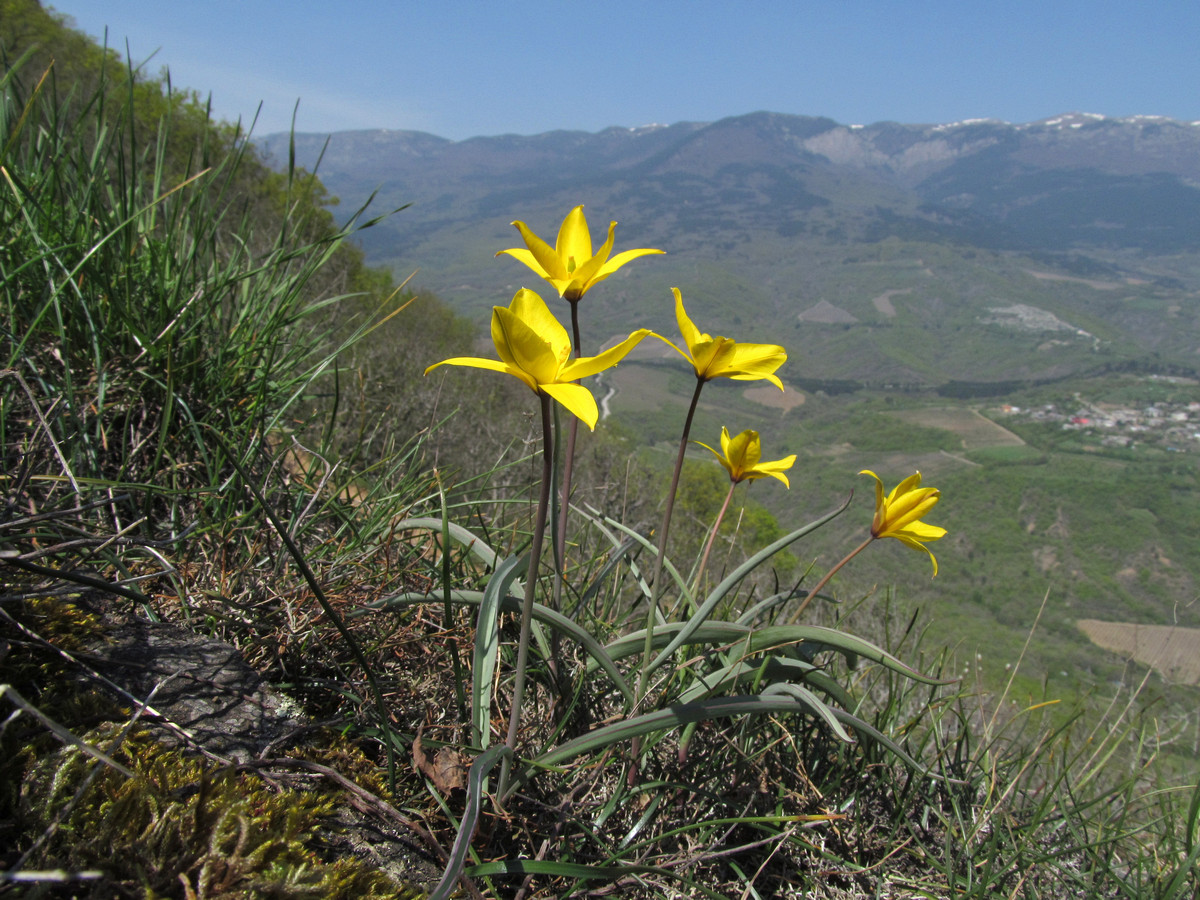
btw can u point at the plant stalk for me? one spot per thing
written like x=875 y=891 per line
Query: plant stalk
x=535 y=552
x=560 y=534
x=655 y=581
x=824 y=581
x=712 y=536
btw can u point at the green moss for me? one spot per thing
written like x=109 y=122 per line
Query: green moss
x=186 y=828
x=183 y=827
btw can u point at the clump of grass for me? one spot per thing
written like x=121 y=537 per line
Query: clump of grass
x=149 y=296
x=165 y=302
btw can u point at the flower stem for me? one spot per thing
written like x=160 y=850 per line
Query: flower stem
x=824 y=581
x=656 y=586
x=712 y=536
x=560 y=534
x=535 y=552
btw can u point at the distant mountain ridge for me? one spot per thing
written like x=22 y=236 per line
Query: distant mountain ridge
x=1121 y=146
x=767 y=214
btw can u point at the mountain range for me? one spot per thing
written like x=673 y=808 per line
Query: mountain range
x=911 y=254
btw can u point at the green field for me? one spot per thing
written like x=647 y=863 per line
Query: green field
x=1042 y=531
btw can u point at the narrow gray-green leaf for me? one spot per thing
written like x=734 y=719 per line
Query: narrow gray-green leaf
x=735 y=578
x=487 y=647
x=544 y=614
x=474 y=544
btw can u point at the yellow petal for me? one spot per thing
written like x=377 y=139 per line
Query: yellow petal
x=531 y=309
x=757 y=361
x=620 y=259
x=590 y=365
x=490 y=364
x=723 y=460
x=766 y=376
x=526 y=257
x=776 y=468
x=725 y=441
x=527 y=349
x=911 y=508
x=708 y=355
x=500 y=338
x=744 y=450
x=922 y=531
x=917 y=545
x=675 y=347
x=910 y=483
x=691 y=334
x=878 y=485
x=577 y=399
x=574 y=242
x=587 y=267
x=549 y=261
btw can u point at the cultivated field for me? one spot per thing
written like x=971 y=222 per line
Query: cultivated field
x=1173 y=652
x=639 y=387
x=975 y=431
x=771 y=396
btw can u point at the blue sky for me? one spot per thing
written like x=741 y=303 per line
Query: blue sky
x=460 y=69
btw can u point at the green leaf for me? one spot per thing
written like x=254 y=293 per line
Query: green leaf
x=474 y=545
x=808 y=639
x=556 y=620
x=487 y=647
x=735 y=578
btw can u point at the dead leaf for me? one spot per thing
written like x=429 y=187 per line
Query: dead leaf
x=447 y=770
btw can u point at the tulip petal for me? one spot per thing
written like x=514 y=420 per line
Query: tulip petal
x=577 y=399
x=549 y=261
x=674 y=347
x=917 y=545
x=744 y=450
x=776 y=468
x=921 y=531
x=531 y=309
x=574 y=241
x=898 y=515
x=757 y=361
x=590 y=365
x=526 y=257
x=723 y=460
x=523 y=348
x=707 y=357
x=620 y=259
x=725 y=441
x=687 y=328
x=901 y=514
x=586 y=268
x=493 y=365
x=912 y=482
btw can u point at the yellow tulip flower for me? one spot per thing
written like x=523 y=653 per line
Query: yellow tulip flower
x=722 y=357
x=534 y=347
x=570 y=265
x=899 y=514
x=740 y=457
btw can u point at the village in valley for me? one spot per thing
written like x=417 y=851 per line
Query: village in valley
x=1170 y=425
